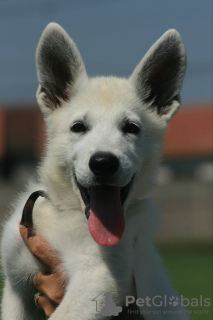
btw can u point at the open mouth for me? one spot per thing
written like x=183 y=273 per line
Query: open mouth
x=104 y=211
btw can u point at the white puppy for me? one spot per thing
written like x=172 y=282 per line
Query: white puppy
x=104 y=139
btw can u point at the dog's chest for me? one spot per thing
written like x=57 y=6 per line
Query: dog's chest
x=67 y=232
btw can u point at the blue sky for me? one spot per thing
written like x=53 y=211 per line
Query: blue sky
x=112 y=36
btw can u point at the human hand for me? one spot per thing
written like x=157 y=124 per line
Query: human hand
x=51 y=285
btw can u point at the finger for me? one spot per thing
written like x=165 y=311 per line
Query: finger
x=40 y=249
x=51 y=285
x=45 y=304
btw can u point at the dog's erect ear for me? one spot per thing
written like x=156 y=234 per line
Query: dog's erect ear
x=159 y=76
x=60 y=68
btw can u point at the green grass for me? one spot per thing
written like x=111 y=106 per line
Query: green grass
x=190 y=272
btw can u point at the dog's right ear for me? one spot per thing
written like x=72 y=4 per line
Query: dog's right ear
x=60 y=68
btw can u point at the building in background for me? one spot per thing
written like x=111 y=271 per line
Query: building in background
x=188 y=143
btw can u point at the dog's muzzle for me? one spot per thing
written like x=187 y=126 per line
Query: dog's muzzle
x=104 y=211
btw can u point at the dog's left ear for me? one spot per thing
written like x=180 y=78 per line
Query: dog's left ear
x=159 y=76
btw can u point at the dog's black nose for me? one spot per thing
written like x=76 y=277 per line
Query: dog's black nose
x=104 y=164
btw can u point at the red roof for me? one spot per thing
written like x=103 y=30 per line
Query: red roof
x=190 y=133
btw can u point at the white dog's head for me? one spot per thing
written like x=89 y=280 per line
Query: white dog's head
x=105 y=133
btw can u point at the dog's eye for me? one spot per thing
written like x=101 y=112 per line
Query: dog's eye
x=131 y=127
x=78 y=127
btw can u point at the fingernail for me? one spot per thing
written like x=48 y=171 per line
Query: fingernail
x=22 y=226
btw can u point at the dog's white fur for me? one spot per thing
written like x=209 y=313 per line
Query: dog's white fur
x=103 y=103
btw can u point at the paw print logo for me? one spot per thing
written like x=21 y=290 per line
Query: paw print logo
x=174 y=301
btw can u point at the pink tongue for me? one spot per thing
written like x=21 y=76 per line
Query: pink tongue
x=106 y=220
